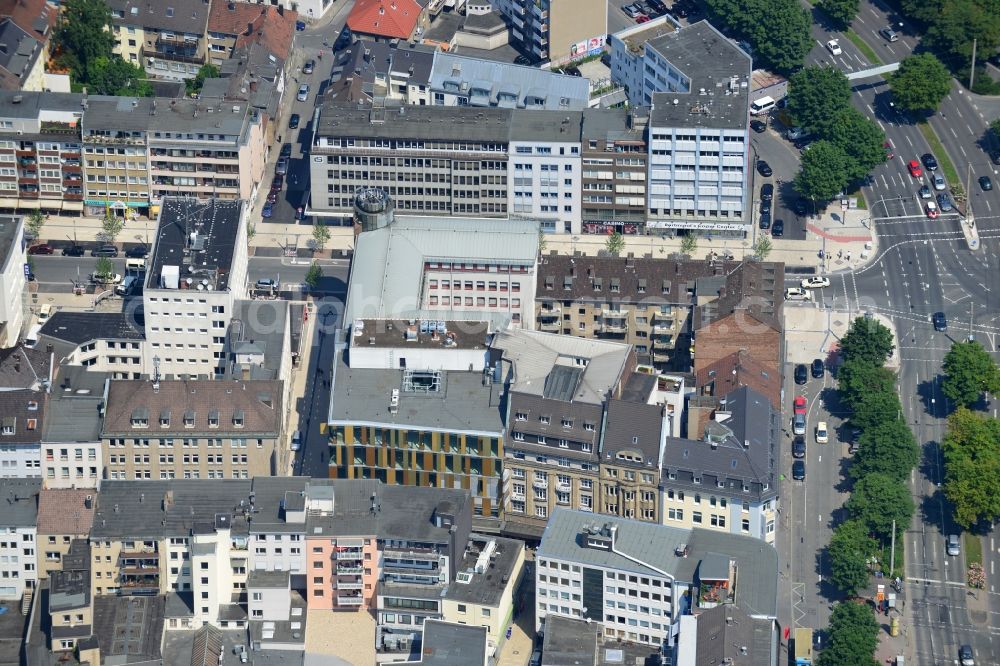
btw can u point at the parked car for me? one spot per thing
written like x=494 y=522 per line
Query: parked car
x=41 y=248
x=815 y=282
x=73 y=251
x=801 y=207
x=765 y=207
x=766 y=192
x=925 y=192
x=642 y=18
x=286 y=150
x=309 y=67
x=296 y=440
x=799 y=447
x=833 y=46
x=525 y=60
x=995 y=157
x=778 y=228
x=272 y=197
x=799 y=424
x=940 y=321
x=888 y=150
x=764 y=168
x=268 y=284
x=797 y=294
x=799 y=470
x=985 y=184
x=801 y=373
x=277 y=183
x=281 y=168
x=953 y=545
x=293 y=121
x=930 y=162
x=944 y=203
x=965 y=656
x=631 y=11
x=795 y=133
x=765 y=220
x=343 y=39
x=267 y=210
x=818 y=368
x=822 y=434
x=939 y=183
x=800 y=404
x=303 y=94
x=300 y=25
x=104 y=251
x=111 y=278
x=931 y=209
x=758 y=126
x=137 y=252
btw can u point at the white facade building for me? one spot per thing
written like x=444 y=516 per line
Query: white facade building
x=197 y=272
x=18 y=536
x=12 y=281
x=545 y=170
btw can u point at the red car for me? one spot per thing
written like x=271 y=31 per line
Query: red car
x=799 y=404
x=40 y=249
x=888 y=150
x=915 y=170
x=642 y=18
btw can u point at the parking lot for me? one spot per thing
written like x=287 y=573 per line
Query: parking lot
x=783 y=158
x=684 y=11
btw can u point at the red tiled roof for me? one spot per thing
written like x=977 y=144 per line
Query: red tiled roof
x=255 y=23
x=62 y=511
x=35 y=17
x=385 y=18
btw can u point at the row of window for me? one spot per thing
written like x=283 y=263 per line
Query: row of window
x=188 y=474
x=469 y=285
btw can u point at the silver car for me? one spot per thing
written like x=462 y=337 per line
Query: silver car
x=939 y=183
x=303 y=92
x=799 y=424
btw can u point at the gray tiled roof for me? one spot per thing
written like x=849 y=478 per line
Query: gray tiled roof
x=752 y=287
x=709 y=60
x=648 y=549
x=633 y=427
x=189 y=16
x=19 y=498
x=23 y=412
x=79 y=328
x=728 y=635
x=486 y=589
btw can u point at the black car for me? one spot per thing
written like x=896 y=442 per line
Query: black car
x=758 y=126
x=573 y=71
x=286 y=150
x=137 y=252
x=277 y=183
x=73 y=251
x=940 y=321
x=801 y=207
x=930 y=163
x=985 y=184
x=817 y=368
x=801 y=373
x=765 y=220
x=965 y=656
x=765 y=207
x=799 y=470
x=522 y=60
x=293 y=121
x=764 y=168
x=105 y=251
x=606 y=59
x=766 y=192
x=778 y=228
x=799 y=447
x=995 y=156
x=343 y=39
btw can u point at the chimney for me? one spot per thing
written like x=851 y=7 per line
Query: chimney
x=249 y=28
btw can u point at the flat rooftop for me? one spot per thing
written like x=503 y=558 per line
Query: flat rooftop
x=9 y=227
x=486 y=588
x=421 y=334
x=451 y=401
x=718 y=77
x=416 y=123
x=195 y=243
x=79 y=328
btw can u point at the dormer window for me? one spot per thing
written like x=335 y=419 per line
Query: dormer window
x=213 y=418
x=521 y=416
x=8 y=425
x=31 y=424
x=544 y=419
x=238 y=418
x=589 y=427
x=567 y=423
x=165 y=418
x=140 y=418
x=189 y=418
x=616 y=285
x=32 y=405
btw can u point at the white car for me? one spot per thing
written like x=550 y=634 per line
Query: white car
x=822 y=435
x=833 y=46
x=303 y=92
x=797 y=294
x=815 y=282
x=113 y=278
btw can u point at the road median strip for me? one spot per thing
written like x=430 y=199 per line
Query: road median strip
x=950 y=173
x=862 y=46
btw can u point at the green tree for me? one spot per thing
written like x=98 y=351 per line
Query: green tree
x=689 y=245
x=856 y=377
x=920 y=83
x=82 y=35
x=542 y=243
x=111 y=226
x=320 y=235
x=314 y=275
x=762 y=248
x=111 y=75
x=826 y=170
x=851 y=637
x=877 y=500
x=969 y=372
x=777 y=30
x=861 y=139
x=868 y=340
x=959 y=22
x=204 y=72
x=972 y=466
x=34 y=222
x=887 y=448
x=615 y=244
x=104 y=267
x=849 y=550
x=816 y=97
x=995 y=128
x=841 y=12
x=874 y=408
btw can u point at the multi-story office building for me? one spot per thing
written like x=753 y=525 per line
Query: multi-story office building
x=635 y=435
x=197 y=271
x=697 y=83
x=12 y=281
x=115 y=136
x=557 y=390
x=65 y=516
x=556 y=30
x=18 y=531
x=545 y=169
x=167 y=41
x=724 y=477
x=614 y=152
x=191 y=429
x=636 y=579
x=445 y=161
x=443 y=269
x=422 y=411
x=40 y=151
x=22 y=418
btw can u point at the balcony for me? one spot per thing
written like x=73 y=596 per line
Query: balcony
x=563 y=487
x=349 y=583
x=350 y=600
x=192 y=59
x=664 y=326
x=541 y=484
x=615 y=325
x=663 y=342
x=349 y=569
x=349 y=554
x=551 y=326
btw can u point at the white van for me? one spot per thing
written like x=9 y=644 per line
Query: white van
x=762 y=105
x=296 y=440
x=31 y=339
x=44 y=313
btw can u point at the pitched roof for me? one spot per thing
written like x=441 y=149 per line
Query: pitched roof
x=385 y=18
x=33 y=16
x=22 y=414
x=740 y=369
x=249 y=22
x=632 y=435
x=186 y=16
x=64 y=511
x=752 y=288
x=257 y=403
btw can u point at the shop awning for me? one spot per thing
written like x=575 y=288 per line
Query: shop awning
x=6 y=202
x=72 y=205
x=29 y=203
